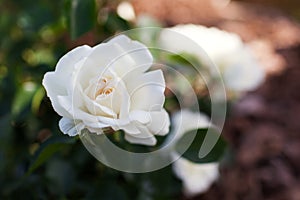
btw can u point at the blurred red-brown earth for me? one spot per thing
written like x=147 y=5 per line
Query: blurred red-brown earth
x=263 y=130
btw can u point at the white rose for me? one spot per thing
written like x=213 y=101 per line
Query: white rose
x=237 y=65
x=107 y=86
x=196 y=178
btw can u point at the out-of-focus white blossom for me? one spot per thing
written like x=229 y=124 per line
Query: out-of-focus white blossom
x=126 y=11
x=196 y=178
x=238 y=67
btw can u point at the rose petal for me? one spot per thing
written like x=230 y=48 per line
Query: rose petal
x=160 y=123
x=77 y=113
x=57 y=83
x=98 y=108
x=66 y=64
x=69 y=127
x=147 y=91
x=55 y=89
x=120 y=54
x=140 y=116
x=129 y=128
x=97 y=131
x=144 y=137
x=101 y=122
x=135 y=56
x=85 y=116
x=125 y=105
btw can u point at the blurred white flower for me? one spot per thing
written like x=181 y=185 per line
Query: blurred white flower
x=107 y=86
x=125 y=10
x=196 y=178
x=237 y=65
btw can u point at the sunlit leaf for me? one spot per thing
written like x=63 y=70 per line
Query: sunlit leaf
x=37 y=99
x=23 y=97
x=184 y=59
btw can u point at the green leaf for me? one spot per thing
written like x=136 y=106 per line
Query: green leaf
x=160 y=184
x=47 y=149
x=197 y=137
x=115 y=23
x=107 y=190
x=6 y=132
x=184 y=59
x=62 y=176
x=81 y=16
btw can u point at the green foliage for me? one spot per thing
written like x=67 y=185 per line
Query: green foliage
x=80 y=16
x=197 y=137
x=23 y=97
x=34 y=35
x=184 y=59
x=115 y=23
x=161 y=184
x=47 y=149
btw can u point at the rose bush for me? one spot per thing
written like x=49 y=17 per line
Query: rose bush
x=107 y=86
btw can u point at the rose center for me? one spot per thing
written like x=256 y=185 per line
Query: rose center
x=104 y=87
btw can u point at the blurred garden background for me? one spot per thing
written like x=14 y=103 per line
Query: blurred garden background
x=262 y=129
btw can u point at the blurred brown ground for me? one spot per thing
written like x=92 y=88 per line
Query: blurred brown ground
x=264 y=128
